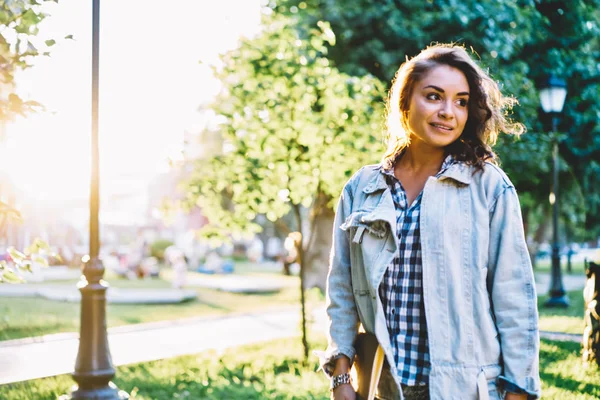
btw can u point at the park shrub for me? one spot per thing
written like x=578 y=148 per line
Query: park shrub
x=158 y=247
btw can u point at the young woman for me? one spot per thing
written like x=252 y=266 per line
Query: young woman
x=429 y=253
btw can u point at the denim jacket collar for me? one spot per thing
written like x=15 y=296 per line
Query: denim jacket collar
x=458 y=171
x=377 y=182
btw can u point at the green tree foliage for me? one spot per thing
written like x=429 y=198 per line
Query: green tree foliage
x=294 y=127
x=294 y=130
x=21 y=262
x=19 y=20
x=158 y=247
x=520 y=41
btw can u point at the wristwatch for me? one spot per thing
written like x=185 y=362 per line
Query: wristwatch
x=340 y=380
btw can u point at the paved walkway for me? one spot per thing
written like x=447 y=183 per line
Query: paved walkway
x=70 y=293
x=114 y=295
x=50 y=355
x=236 y=283
x=570 y=282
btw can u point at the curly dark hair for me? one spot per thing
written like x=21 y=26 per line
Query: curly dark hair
x=487 y=106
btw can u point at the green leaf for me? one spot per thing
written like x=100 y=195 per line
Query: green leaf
x=23 y=17
x=50 y=42
x=40 y=260
x=37 y=246
x=26 y=266
x=329 y=35
x=10 y=277
x=4 y=18
x=16 y=255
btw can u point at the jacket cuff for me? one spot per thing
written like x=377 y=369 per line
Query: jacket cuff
x=328 y=358
x=528 y=387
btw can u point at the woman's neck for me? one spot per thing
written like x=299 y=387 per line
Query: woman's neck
x=422 y=159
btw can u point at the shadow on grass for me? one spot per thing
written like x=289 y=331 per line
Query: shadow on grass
x=131 y=320
x=572 y=385
x=212 y=305
x=190 y=384
x=561 y=367
x=276 y=371
x=267 y=371
x=225 y=379
x=11 y=332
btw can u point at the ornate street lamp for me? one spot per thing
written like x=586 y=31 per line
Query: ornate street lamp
x=93 y=367
x=553 y=92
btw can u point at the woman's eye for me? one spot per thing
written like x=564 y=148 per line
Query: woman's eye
x=463 y=102
x=433 y=96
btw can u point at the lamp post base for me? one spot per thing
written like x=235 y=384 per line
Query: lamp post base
x=561 y=301
x=109 y=392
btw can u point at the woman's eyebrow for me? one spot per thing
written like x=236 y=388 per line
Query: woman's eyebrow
x=439 y=89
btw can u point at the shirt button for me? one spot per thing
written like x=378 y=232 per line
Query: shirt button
x=393 y=311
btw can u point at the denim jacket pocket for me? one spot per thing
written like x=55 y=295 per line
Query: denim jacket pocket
x=367 y=238
x=360 y=221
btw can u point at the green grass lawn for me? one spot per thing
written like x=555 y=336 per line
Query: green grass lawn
x=24 y=317
x=274 y=371
x=577 y=267
x=563 y=375
x=568 y=320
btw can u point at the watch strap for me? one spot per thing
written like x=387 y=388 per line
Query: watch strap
x=340 y=380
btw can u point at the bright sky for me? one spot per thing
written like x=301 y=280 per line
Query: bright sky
x=151 y=83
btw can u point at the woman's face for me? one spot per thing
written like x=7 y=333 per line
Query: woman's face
x=439 y=107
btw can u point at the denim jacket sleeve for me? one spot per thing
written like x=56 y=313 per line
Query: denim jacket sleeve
x=513 y=296
x=341 y=309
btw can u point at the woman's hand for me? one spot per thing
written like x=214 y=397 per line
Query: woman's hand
x=515 y=396
x=344 y=392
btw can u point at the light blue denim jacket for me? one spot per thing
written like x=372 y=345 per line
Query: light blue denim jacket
x=478 y=285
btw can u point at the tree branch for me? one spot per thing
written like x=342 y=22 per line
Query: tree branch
x=282 y=227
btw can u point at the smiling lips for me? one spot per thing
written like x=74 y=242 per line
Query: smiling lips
x=441 y=126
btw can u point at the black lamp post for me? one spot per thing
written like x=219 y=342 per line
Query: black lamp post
x=552 y=96
x=93 y=367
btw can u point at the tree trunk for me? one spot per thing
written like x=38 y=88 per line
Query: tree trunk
x=539 y=236
x=300 y=259
x=526 y=212
x=316 y=258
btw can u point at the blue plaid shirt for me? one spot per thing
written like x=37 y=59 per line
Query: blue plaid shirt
x=401 y=290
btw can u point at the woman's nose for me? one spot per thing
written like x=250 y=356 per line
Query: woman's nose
x=446 y=111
